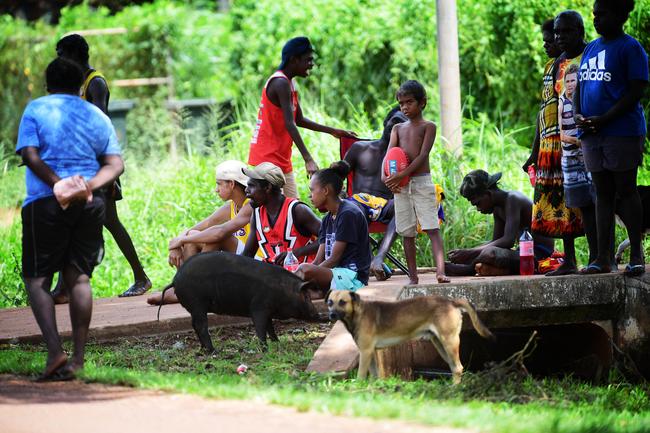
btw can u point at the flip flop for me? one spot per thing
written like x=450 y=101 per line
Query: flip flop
x=593 y=268
x=138 y=288
x=51 y=371
x=634 y=270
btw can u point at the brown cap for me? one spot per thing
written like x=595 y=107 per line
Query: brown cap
x=266 y=171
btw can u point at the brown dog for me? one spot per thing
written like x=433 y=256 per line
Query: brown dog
x=375 y=325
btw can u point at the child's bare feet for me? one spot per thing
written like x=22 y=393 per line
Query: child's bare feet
x=442 y=278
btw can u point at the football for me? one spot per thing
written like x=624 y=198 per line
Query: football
x=396 y=161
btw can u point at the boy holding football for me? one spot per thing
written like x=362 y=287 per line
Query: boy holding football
x=415 y=193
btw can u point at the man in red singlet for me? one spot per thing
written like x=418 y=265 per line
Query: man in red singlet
x=279 y=222
x=280 y=114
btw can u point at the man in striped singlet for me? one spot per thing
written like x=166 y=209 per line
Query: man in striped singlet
x=280 y=114
x=280 y=223
x=95 y=90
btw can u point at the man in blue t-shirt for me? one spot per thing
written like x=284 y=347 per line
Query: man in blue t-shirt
x=71 y=152
x=613 y=75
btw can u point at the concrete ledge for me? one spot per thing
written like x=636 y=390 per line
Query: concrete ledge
x=535 y=301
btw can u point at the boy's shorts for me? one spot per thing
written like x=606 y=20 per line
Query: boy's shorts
x=416 y=203
x=612 y=153
x=345 y=279
x=54 y=238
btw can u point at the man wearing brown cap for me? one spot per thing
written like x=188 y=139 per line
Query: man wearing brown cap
x=280 y=223
x=512 y=212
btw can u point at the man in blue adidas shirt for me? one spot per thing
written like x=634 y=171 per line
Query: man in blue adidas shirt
x=613 y=75
x=70 y=149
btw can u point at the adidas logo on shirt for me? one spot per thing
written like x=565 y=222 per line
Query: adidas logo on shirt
x=594 y=69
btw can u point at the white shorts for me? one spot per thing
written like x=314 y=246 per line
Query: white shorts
x=416 y=203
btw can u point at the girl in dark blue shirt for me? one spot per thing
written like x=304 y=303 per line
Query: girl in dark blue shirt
x=343 y=258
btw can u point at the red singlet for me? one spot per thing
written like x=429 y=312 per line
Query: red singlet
x=271 y=141
x=283 y=235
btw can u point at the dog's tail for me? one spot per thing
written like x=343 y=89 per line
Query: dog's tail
x=464 y=305
x=162 y=297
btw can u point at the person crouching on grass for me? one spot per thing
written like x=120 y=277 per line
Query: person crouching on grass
x=343 y=258
x=71 y=152
x=417 y=202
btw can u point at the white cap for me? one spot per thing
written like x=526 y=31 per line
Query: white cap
x=232 y=170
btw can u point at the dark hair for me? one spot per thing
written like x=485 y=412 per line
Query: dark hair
x=413 y=88
x=265 y=184
x=63 y=74
x=623 y=7
x=575 y=18
x=390 y=114
x=75 y=47
x=547 y=26
x=334 y=175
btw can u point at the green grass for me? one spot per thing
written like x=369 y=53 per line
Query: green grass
x=278 y=377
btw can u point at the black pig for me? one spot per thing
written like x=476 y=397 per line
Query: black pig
x=224 y=283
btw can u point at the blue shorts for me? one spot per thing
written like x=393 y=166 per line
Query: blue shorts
x=345 y=279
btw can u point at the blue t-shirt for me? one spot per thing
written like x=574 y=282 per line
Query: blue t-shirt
x=349 y=226
x=70 y=135
x=606 y=70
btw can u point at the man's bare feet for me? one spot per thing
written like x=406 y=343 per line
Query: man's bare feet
x=442 y=278
x=487 y=270
x=414 y=280
x=170 y=298
x=379 y=270
x=140 y=287
x=564 y=269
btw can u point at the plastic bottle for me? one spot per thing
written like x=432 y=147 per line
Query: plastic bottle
x=526 y=254
x=290 y=261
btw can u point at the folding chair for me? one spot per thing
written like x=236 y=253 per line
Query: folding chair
x=374 y=226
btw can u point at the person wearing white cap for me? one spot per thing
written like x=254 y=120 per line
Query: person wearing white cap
x=227 y=229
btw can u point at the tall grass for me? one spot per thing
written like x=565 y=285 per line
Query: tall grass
x=163 y=195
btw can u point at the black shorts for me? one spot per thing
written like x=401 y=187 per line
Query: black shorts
x=114 y=190
x=54 y=238
x=612 y=153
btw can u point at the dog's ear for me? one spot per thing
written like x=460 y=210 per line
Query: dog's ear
x=327 y=295
x=355 y=297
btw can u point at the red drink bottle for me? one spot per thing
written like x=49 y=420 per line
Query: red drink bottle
x=526 y=254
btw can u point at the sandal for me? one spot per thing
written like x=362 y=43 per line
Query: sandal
x=593 y=268
x=51 y=372
x=634 y=270
x=138 y=288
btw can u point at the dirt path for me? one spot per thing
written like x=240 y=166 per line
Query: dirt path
x=76 y=407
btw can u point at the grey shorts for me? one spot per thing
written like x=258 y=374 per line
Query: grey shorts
x=416 y=204
x=612 y=153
